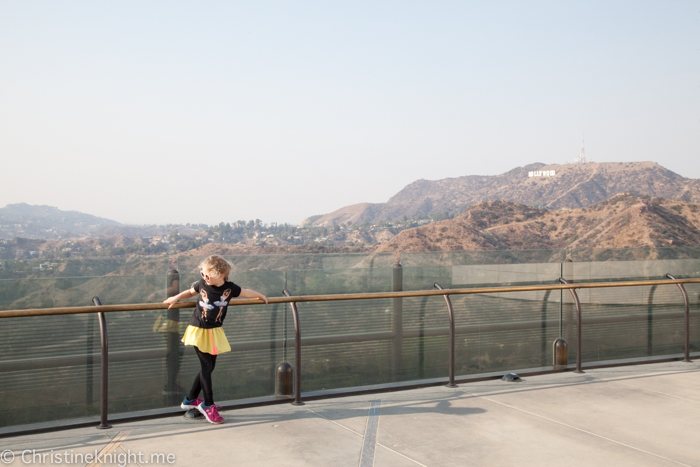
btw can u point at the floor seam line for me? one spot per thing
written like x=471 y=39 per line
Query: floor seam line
x=360 y=434
x=369 y=442
x=659 y=392
x=402 y=455
x=587 y=432
x=335 y=423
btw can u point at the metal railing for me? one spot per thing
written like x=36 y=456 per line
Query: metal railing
x=396 y=295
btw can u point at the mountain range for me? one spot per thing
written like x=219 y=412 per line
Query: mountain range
x=24 y=220
x=48 y=222
x=538 y=206
x=553 y=186
x=623 y=221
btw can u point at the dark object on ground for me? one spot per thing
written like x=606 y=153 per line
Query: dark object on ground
x=512 y=378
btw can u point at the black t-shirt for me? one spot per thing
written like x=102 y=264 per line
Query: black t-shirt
x=212 y=304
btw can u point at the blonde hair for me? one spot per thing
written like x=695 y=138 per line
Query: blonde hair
x=217 y=264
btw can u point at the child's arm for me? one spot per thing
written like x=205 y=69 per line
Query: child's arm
x=247 y=293
x=186 y=294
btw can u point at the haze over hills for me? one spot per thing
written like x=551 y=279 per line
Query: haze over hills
x=571 y=186
x=533 y=207
x=29 y=221
x=47 y=222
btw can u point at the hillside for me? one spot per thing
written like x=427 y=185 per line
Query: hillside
x=50 y=223
x=24 y=220
x=623 y=221
x=537 y=193
x=572 y=186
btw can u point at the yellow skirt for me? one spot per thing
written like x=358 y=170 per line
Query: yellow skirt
x=212 y=341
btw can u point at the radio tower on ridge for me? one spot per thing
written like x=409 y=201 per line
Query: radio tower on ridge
x=582 y=157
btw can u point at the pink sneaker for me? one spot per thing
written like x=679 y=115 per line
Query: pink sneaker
x=186 y=405
x=211 y=413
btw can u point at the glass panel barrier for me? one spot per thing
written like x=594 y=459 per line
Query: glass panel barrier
x=503 y=332
x=452 y=258
x=633 y=254
x=636 y=321
x=73 y=282
x=54 y=361
x=346 y=343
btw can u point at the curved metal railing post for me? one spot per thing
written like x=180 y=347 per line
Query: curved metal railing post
x=578 y=327
x=450 y=312
x=687 y=319
x=104 y=393
x=297 y=351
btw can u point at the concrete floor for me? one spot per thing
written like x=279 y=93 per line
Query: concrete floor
x=646 y=415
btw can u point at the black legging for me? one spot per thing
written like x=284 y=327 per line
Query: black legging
x=203 y=380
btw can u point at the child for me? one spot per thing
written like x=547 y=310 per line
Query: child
x=205 y=332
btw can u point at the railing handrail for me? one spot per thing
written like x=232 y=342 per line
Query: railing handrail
x=338 y=297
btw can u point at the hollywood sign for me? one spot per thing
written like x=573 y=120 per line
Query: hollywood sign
x=541 y=173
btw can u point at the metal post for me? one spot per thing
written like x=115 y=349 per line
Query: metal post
x=105 y=368
x=421 y=338
x=297 y=351
x=650 y=321
x=450 y=313
x=543 y=316
x=579 y=325
x=397 y=320
x=565 y=327
x=173 y=338
x=687 y=319
x=89 y=363
x=561 y=303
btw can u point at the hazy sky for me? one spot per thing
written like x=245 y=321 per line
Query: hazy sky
x=173 y=112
